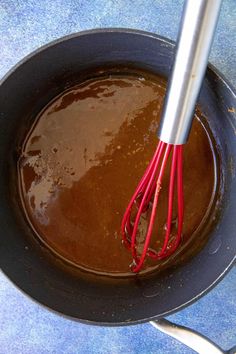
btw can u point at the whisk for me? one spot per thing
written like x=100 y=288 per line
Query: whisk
x=196 y=33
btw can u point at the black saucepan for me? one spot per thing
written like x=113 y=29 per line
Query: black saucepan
x=29 y=265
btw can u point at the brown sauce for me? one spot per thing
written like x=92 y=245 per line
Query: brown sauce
x=83 y=158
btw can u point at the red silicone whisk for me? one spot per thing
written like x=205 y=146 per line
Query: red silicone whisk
x=149 y=189
x=195 y=37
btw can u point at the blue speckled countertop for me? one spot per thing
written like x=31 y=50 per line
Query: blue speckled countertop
x=25 y=327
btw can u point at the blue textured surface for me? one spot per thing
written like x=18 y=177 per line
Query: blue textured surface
x=25 y=327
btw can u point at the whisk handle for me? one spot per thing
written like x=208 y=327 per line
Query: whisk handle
x=195 y=37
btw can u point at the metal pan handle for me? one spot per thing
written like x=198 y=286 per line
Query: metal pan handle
x=189 y=337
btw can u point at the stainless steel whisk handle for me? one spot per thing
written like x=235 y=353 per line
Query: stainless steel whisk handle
x=195 y=37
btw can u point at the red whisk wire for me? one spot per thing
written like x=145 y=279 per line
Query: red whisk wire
x=149 y=188
x=142 y=205
x=124 y=226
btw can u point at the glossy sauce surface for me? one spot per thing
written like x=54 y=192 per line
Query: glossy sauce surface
x=83 y=158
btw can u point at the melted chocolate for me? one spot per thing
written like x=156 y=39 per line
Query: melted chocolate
x=83 y=158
